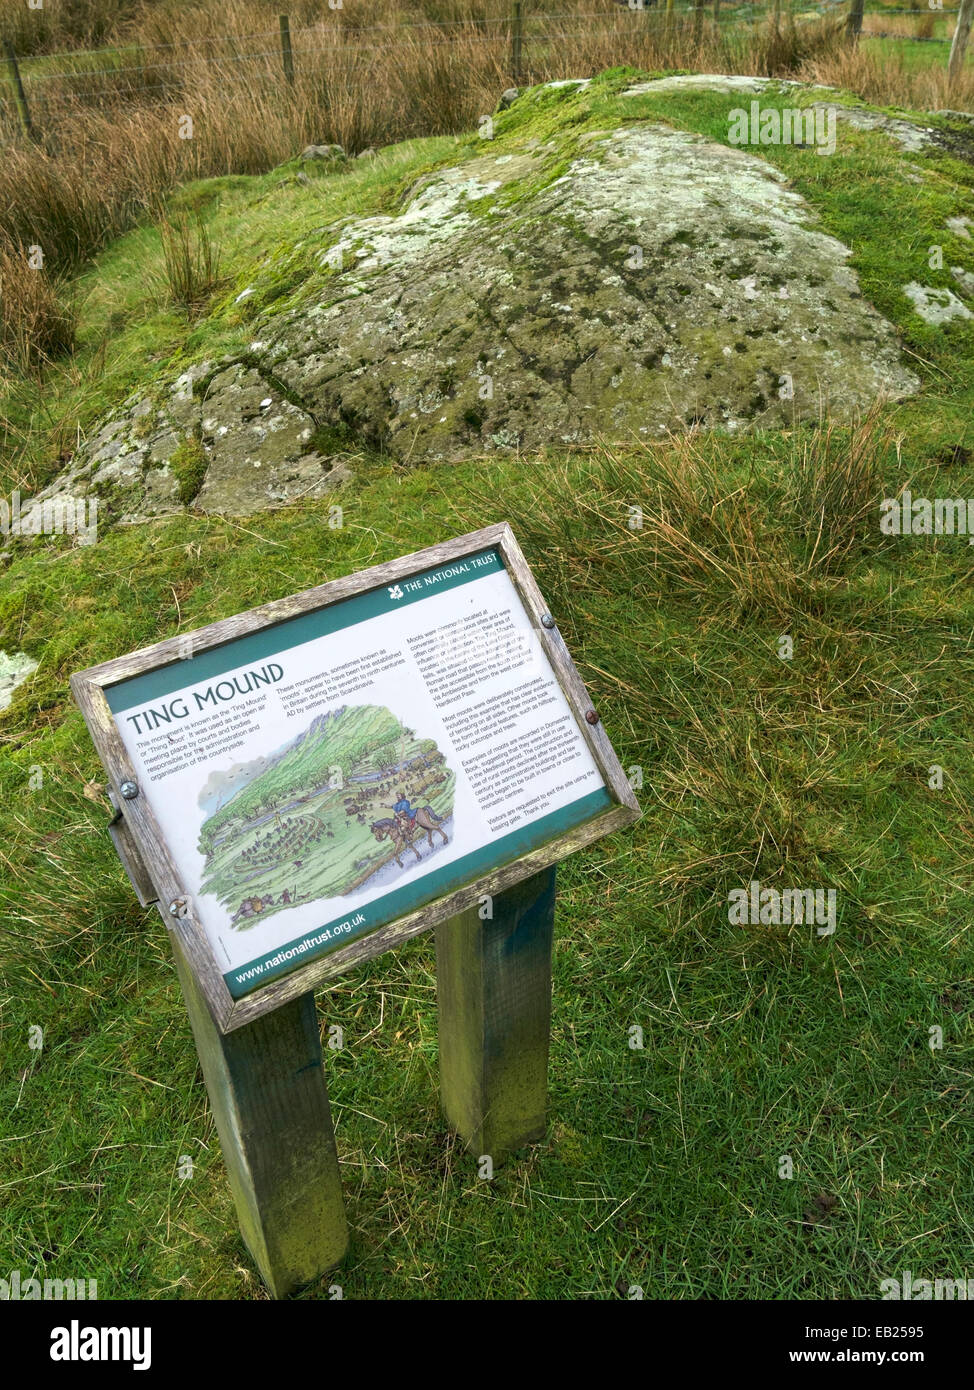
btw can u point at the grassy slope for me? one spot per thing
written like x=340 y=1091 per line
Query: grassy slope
x=662 y=1164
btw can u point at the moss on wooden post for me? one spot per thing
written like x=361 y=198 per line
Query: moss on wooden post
x=269 y=1099
x=493 y=986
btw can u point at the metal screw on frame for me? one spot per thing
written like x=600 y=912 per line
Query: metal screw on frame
x=178 y=906
x=129 y=790
x=547 y=620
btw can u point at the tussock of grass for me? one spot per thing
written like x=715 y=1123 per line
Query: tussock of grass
x=192 y=261
x=38 y=313
x=688 y=518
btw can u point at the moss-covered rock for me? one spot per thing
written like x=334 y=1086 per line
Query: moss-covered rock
x=587 y=271
x=660 y=281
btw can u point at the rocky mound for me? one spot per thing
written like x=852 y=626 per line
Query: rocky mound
x=541 y=291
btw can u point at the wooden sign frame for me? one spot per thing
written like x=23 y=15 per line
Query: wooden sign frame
x=151 y=868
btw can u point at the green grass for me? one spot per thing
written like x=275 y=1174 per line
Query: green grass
x=914 y=56
x=662 y=1164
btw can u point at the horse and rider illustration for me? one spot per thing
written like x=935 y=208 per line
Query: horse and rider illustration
x=406 y=822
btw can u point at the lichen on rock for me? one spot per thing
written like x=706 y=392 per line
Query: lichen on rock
x=259 y=447
x=936 y=306
x=662 y=281
x=15 y=668
x=223 y=439
x=560 y=284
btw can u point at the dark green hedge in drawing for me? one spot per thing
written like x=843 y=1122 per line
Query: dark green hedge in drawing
x=298 y=825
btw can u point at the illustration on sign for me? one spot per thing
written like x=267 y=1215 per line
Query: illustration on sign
x=334 y=809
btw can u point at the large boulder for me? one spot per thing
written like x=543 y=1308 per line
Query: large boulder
x=660 y=281
x=556 y=283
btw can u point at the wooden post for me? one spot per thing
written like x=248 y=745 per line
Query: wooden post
x=958 y=47
x=286 y=53
x=776 y=15
x=697 y=22
x=669 y=13
x=516 y=43
x=270 y=1103
x=717 y=14
x=493 y=989
x=853 y=24
x=20 y=96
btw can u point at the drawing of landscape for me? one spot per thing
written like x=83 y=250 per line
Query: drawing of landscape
x=316 y=819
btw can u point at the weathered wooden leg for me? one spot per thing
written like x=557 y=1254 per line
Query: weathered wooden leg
x=493 y=988
x=269 y=1099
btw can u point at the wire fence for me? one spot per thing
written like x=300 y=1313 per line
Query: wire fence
x=28 y=85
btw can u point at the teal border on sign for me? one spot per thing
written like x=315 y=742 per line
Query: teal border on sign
x=280 y=637
x=404 y=900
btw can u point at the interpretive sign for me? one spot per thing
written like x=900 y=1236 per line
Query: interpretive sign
x=313 y=780
x=307 y=784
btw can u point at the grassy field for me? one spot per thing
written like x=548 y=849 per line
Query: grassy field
x=662 y=1164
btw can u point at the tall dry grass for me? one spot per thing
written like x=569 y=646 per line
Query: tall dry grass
x=372 y=73
x=38 y=314
x=62 y=24
x=886 y=78
x=916 y=26
x=110 y=141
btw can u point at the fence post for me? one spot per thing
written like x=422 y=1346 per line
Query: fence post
x=20 y=96
x=697 y=22
x=516 y=43
x=717 y=14
x=853 y=24
x=286 y=53
x=958 y=47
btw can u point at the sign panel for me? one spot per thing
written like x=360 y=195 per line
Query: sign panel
x=328 y=774
x=313 y=778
